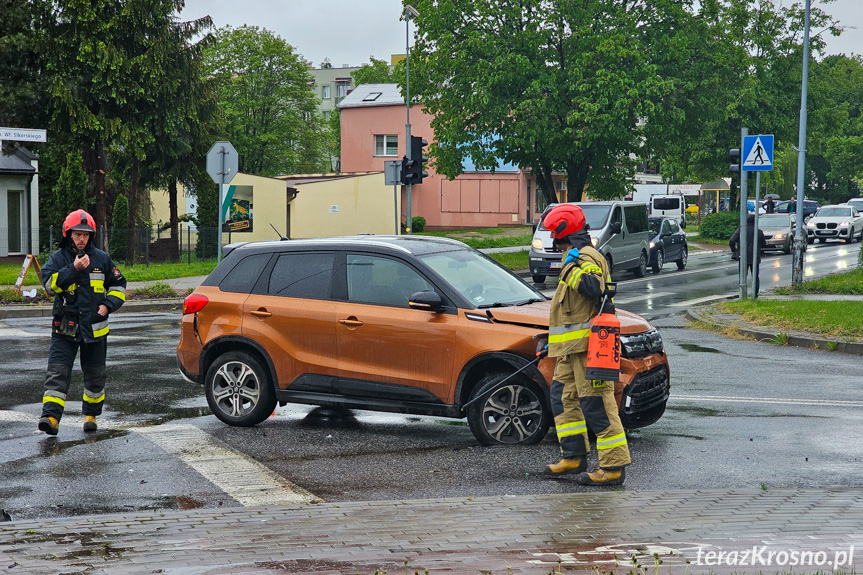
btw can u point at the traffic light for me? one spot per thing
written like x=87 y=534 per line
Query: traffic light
x=734 y=155
x=414 y=173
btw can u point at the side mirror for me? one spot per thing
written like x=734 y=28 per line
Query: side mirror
x=425 y=301
x=615 y=227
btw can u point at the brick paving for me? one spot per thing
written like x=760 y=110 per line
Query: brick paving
x=755 y=532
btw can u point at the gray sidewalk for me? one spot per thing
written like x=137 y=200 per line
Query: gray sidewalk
x=799 y=531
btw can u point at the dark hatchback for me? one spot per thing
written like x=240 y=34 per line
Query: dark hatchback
x=667 y=243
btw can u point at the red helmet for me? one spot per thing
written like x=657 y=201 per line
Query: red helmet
x=79 y=220
x=563 y=220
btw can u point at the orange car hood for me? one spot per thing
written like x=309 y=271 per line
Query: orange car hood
x=536 y=315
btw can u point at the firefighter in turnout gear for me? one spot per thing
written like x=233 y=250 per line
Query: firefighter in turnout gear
x=87 y=287
x=579 y=404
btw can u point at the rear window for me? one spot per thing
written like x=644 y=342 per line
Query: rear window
x=302 y=275
x=243 y=276
x=666 y=203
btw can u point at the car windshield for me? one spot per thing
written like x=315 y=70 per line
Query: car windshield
x=772 y=221
x=834 y=212
x=480 y=279
x=595 y=215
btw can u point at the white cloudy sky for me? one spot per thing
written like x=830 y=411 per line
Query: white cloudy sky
x=349 y=31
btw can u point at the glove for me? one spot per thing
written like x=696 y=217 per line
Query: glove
x=571 y=256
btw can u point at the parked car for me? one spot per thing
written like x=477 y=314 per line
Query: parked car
x=809 y=208
x=667 y=243
x=778 y=231
x=840 y=222
x=404 y=324
x=618 y=231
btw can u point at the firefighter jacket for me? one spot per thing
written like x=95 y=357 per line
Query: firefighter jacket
x=571 y=311
x=78 y=294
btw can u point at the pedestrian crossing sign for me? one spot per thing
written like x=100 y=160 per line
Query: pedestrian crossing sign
x=757 y=153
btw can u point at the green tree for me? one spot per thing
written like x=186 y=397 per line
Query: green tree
x=22 y=89
x=376 y=72
x=549 y=86
x=70 y=191
x=119 y=231
x=271 y=111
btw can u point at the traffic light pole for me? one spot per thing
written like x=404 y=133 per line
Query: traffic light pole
x=743 y=201
x=408 y=218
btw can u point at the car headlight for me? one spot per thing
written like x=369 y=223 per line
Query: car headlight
x=810 y=225
x=778 y=236
x=593 y=241
x=843 y=224
x=639 y=344
x=652 y=245
x=536 y=244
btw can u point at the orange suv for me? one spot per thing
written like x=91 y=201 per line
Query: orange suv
x=405 y=324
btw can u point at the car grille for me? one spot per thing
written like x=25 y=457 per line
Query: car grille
x=644 y=399
x=828 y=226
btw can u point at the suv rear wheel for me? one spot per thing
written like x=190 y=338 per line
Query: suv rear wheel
x=642 y=266
x=238 y=389
x=514 y=413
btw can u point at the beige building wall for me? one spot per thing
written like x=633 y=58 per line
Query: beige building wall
x=344 y=206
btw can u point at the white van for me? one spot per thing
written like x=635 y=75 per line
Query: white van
x=669 y=206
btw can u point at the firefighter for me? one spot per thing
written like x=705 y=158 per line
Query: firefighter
x=579 y=404
x=87 y=287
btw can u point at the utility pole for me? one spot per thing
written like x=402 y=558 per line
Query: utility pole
x=409 y=11
x=799 y=232
x=743 y=201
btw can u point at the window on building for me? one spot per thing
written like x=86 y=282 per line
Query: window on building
x=325 y=92
x=326 y=114
x=387 y=145
x=341 y=90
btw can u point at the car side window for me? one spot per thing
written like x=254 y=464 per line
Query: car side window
x=382 y=281
x=617 y=216
x=665 y=228
x=673 y=225
x=636 y=218
x=243 y=276
x=307 y=275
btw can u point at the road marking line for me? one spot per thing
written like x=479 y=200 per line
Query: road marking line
x=648 y=295
x=733 y=399
x=699 y=300
x=238 y=475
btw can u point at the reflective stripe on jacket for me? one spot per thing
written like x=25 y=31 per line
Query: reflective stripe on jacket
x=571 y=312
x=80 y=293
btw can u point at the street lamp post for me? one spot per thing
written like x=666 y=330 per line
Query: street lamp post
x=410 y=11
x=800 y=233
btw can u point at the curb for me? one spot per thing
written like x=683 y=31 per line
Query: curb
x=768 y=334
x=151 y=305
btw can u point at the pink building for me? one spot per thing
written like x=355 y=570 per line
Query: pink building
x=373 y=132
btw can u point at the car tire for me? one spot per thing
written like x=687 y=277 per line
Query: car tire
x=238 y=389
x=610 y=263
x=657 y=263
x=490 y=416
x=684 y=258
x=810 y=240
x=787 y=248
x=641 y=269
x=538 y=279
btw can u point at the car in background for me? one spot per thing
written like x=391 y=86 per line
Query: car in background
x=778 y=231
x=839 y=222
x=403 y=324
x=809 y=208
x=618 y=231
x=856 y=203
x=667 y=243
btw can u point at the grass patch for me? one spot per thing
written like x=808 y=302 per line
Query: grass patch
x=140 y=272
x=512 y=260
x=702 y=240
x=489 y=237
x=828 y=318
x=850 y=283
x=155 y=291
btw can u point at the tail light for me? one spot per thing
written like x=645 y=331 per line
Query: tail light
x=194 y=303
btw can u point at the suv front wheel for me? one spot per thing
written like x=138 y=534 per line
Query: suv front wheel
x=511 y=413
x=238 y=389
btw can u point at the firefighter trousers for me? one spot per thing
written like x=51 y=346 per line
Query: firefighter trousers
x=579 y=404
x=61 y=357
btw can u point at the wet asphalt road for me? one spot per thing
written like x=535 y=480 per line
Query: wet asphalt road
x=742 y=414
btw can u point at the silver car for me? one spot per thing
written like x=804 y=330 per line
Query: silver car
x=778 y=231
x=839 y=222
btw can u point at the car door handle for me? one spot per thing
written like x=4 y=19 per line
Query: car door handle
x=351 y=322
x=261 y=313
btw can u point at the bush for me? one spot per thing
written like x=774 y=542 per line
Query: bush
x=719 y=226
x=155 y=291
x=418 y=224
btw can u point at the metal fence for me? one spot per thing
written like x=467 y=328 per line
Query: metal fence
x=154 y=243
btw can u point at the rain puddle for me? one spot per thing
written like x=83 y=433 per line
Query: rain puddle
x=694 y=347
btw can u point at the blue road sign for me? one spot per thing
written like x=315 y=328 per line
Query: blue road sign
x=757 y=153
